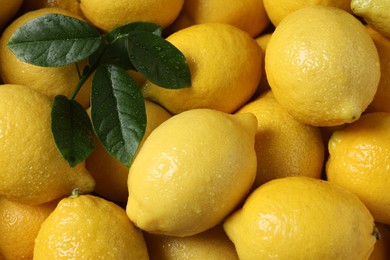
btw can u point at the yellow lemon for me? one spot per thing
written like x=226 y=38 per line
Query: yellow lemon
x=48 y=80
x=284 y=146
x=108 y=15
x=211 y=244
x=277 y=10
x=70 y=5
x=225 y=64
x=381 y=103
x=359 y=161
x=375 y=13
x=382 y=247
x=111 y=175
x=89 y=227
x=19 y=226
x=302 y=218
x=192 y=171
x=8 y=9
x=32 y=169
x=248 y=15
x=322 y=66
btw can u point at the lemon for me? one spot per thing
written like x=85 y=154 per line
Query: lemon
x=375 y=13
x=284 y=146
x=382 y=247
x=19 y=226
x=302 y=218
x=192 y=171
x=48 y=80
x=111 y=175
x=108 y=15
x=70 y=5
x=380 y=103
x=322 y=66
x=225 y=64
x=8 y=11
x=359 y=161
x=32 y=169
x=211 y=244
x=89 y=227
x=277 y=10
x=248 y=15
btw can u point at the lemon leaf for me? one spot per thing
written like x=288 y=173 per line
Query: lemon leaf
x=114 y=49
x=124 y=30
x=72 y=130
x=118 y=112
x=54 y=40
x=158 y=60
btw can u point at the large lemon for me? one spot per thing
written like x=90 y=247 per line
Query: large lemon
x=322 y=66
x=302 y=218
x=192 y=171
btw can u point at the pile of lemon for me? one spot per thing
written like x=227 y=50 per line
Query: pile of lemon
x=280 y=149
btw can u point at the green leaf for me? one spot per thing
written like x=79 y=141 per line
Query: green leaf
x=54 y=40
x=118 y=112
x=158 y=60
x=114 y=49
x=124 y=30
x=72 y=130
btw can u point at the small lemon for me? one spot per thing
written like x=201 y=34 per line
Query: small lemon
x=302 y=218
x=111 y=175
x=19 y=226
x=225 y=64
x=375 y=13
x=382 y=247
x=70 y=5
x=359 y=161
x=192 y=171
x=248 y=15
x=277 y=10
x=8 y=10
x=32 y=169
x=381 y=103
x=284 y=146
x=89 y=227
x=48 y=80
x=211 y=244
x=108 y=15
x=322 y=66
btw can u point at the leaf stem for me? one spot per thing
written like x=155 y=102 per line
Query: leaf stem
x=88 y=71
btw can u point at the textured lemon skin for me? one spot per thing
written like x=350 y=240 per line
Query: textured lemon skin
x=191 y=172
x=89 y=227
x=211 y=244
x=322 y=66
x=284 y=146
x=225 y=64
x=51 y=81
x=375 y=13
x=302 y=217
x=32 y=169
x=19 y=226
x=360 y=161
x=108 y=15
x=277 y=10
x=248 y=15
